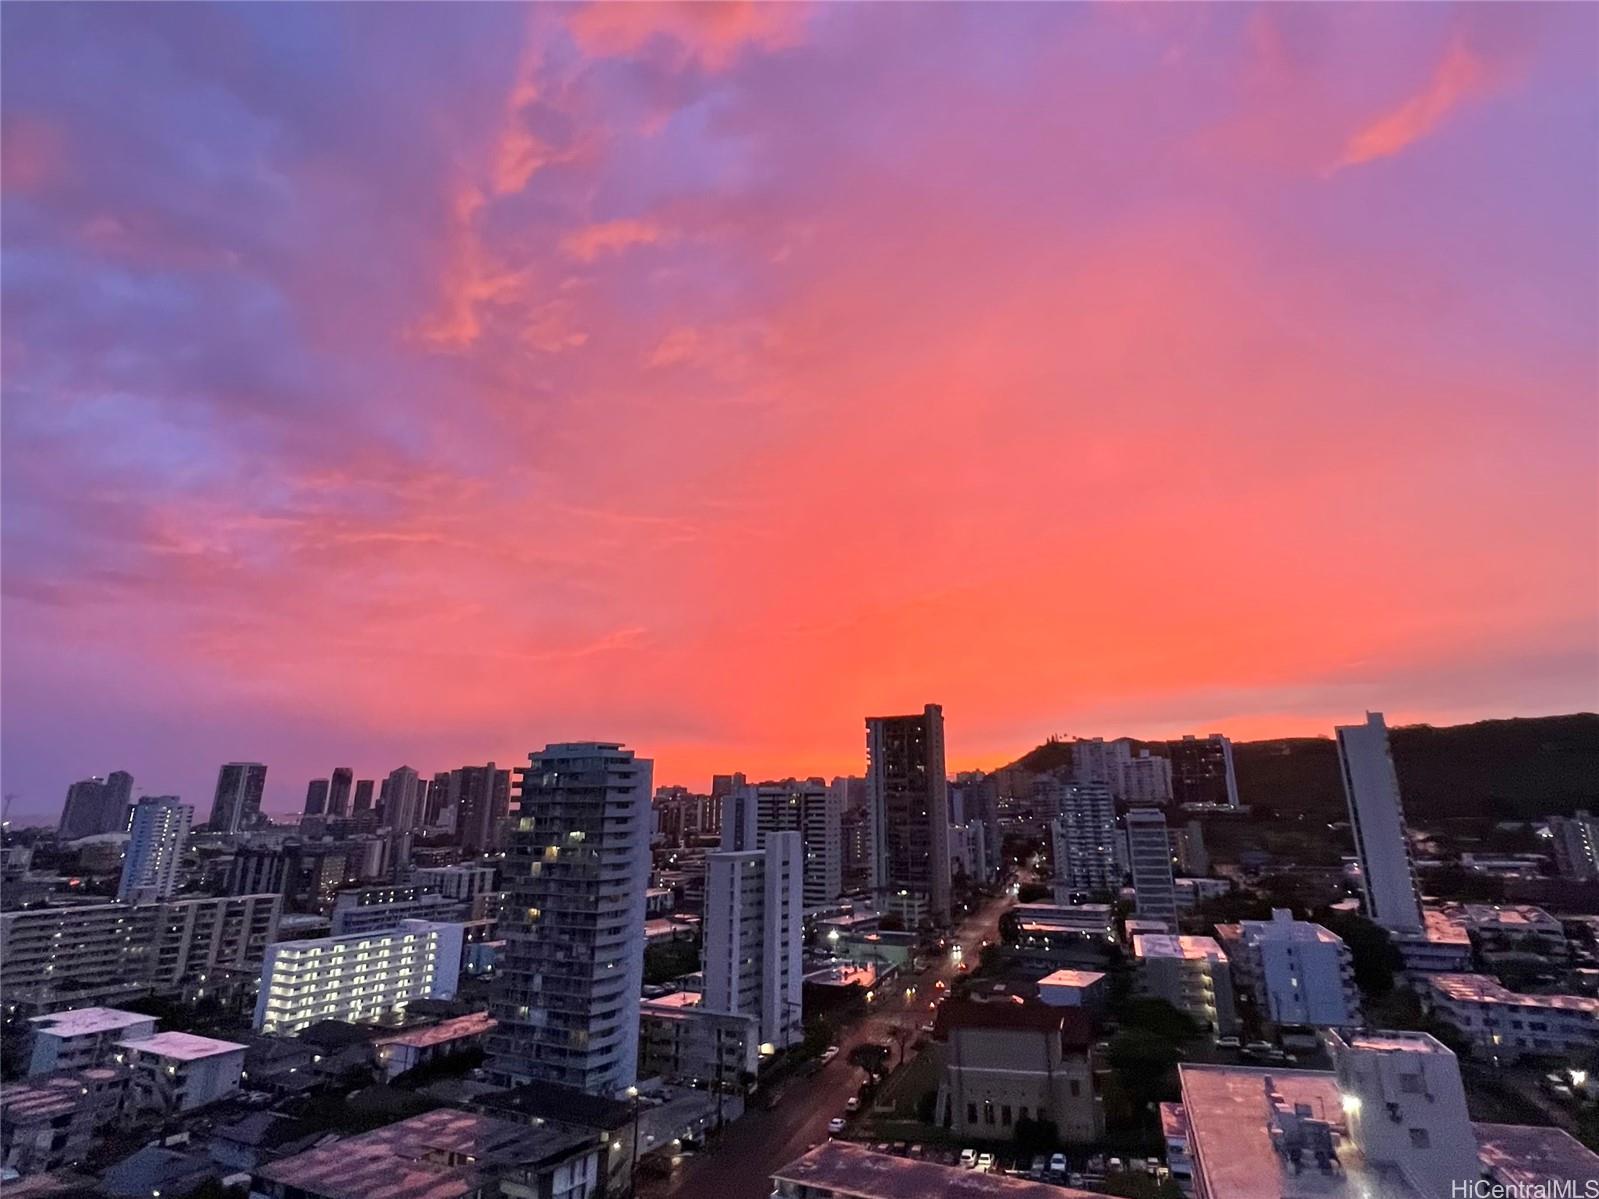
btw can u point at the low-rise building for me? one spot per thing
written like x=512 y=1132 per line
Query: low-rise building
x=418 y=1046
x=178 y=1071
x=840 y=1170
x=442 y=1154
x=682 y=1041
x=1073 y=988
x=1191 y=892
x=1191 y=974
x=1506 y=1025
x=1174 y=1131
x=81 y=1037
x=1299 y=973
x=1444 y=946
x=375 y=909
x=360 y=978
x=1499 y=931
x=1008 y=1061
x=48 y=1122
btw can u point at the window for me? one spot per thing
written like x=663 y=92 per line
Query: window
x=1419 y=1138
x=971 y=1113
x=1004 y=1115
x=988 y=1111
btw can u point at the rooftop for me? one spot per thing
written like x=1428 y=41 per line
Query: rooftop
x=183 y=1046
x=477 y=1024
x=675 y=1002
x=34 y=1100
x=1071 y=978
x=1397 y=1042
x=1229 y=1136
x=83 y=1021
x=1073 y=1024
x=442 y=1154
x=1444 y=927
x=1164 y=945
x=1283 y=927
x=1510 y=916
x=846 y=1169
x=1523 y=1158
x=1482 y=988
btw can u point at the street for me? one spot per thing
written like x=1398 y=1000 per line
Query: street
x=740 y=1164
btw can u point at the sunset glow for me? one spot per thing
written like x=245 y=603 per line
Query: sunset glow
x=427 y=383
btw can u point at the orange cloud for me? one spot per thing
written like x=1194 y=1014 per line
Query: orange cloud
x=612 y=237
x=1460 y=76
x=711 y=35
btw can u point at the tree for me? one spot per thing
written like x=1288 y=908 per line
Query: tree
x=1375 y=957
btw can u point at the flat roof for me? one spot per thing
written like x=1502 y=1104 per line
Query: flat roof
x=676 y=1001
x=1164 y=945
x=1523 y=1157
x=33 y=1100
x=1229 y=1137
x=1071 y=978
x=82 y=1021
x=847 y=1169
x=407 y=1159
x=1397 y=1042
x=184 y=1046
x=443 y=1032
x=1483 y=988
x=1520 y=914
x=1444 y=927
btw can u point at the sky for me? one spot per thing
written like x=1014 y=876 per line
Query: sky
x=426 y=383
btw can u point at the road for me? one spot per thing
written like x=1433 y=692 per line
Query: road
x=740 y=1164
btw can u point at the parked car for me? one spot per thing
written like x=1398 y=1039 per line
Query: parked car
x=985 y=1162
x=829 y=1054
x=1040 y=1164
x=968 y=1158
x=1228 y=1043
x=1259 y=1047
x=835 y=1125
x=1057 y=1164
x=852 y=1105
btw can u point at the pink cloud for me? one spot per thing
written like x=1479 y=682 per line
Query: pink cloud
x=1460 y=76
x=710 y=34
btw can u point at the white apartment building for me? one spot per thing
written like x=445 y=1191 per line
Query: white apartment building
x=566 y=991
x=83 y=1037
x=969 y=849
x=681 y=1040
x=1387 y=878
x=1145 y=780
x=1149 y=847
x=1505 y=1025
x=1095 y=760
x=178 y=1071
x=1298 y=972
x=1083 y=836
x=1406 y=1108
x=754 y=936
x=1191 y=974
x=156 y=837
x=809 y=807
x=361 y=978
x=462 y=882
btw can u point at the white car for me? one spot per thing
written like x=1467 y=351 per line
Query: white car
x=829 y=1054
x=835 y=1126
x=1057 y=1164
x=853 y=1104
x=985 y=1162
x=968 y=1158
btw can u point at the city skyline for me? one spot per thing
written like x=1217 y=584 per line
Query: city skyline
x=409 y=385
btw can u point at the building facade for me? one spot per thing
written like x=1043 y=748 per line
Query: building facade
x=566 y=993
x=908 y=797
x=236 y=804
x=82 y=1037
x=754 y=936
x=1191 y=974
x=96 y=805
x=1202 y=771
x=1149 y=851
x=1083 y=836
x=1297 y=972
x=175 y=1072
x=1371 y=787
x=157 y=836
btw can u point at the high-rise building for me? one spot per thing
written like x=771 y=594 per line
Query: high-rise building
x=566 y=992
x=236 y=806
x=1145 y=780
x=1188 y=850
x=1576 y=844
x=480 y=796
x=363 y=797
x=1083 y=835
x=339 y=791
x=751 y=813
x=96 y=805
x=1202 y=771
x=316 y=797
x=1387 y=878
x=754 y=933
x=1095 y=760
x=159 y=831
x=1155 y=892
x=402 y=812
x=910 y=811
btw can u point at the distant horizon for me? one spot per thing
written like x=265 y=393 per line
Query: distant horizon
x=284 y=799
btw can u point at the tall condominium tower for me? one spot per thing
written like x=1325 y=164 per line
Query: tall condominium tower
x=1083 y=836
x=363 y=797
x=1372 y=789
x=1155 y=894
x=339 y=791
x=751 y=813
x=909 y=803
x=236 y=806
x=158 y=834
x=1145 y=780
x=1576 y=844
x=480 y=796
x=97 y=805
x=1095 y=760
x=1202 y=770
x=566 y=993
x=754 y=931
x=316 y=797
